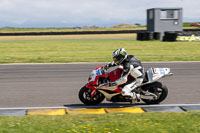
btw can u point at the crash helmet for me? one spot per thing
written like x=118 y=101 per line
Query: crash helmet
x=119 y=56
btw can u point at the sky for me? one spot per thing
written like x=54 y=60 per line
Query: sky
x=102 y=13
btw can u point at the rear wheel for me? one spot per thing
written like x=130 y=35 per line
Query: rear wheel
x=157 y=88
x=85 y=96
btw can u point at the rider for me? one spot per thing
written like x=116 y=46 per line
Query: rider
x=131 y=66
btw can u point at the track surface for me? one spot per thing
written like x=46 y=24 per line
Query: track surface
x=42 y=85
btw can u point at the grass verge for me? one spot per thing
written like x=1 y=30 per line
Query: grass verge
x=49 y=49
x=155 y=122
x=14 y=30
x=62 y=37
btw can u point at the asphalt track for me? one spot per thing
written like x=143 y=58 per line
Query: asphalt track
x=51 y=85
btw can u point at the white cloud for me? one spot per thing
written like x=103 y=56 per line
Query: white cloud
x=86 y=12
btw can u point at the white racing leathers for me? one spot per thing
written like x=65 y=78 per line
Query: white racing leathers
x=133 y=67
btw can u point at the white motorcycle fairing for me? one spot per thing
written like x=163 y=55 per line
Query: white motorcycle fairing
x=154 y=74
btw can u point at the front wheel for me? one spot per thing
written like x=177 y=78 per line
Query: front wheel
x=85 y=96
x=157 y=88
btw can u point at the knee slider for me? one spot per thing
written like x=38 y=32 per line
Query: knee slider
x=125 y=91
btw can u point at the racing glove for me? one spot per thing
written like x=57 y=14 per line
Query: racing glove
x=106 y=67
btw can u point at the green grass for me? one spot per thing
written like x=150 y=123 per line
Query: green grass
x=186 y=25
x=185 y=122
x=13 y=30
x=46 y=51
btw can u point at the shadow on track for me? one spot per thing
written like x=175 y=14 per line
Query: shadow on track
x=104 y=105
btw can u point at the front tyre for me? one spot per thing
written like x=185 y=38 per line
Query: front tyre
x=85 y=96
x=157 y=88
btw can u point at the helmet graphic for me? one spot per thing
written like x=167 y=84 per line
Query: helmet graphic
x=119 y=55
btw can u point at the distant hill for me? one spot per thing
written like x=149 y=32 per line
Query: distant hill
x=125 y=25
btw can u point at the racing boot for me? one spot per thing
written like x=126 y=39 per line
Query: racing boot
x=135 y=98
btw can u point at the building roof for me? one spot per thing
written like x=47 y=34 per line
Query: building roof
x=177 y=8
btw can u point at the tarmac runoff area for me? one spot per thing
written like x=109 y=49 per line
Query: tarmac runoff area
x=32 y=87
x=97 y=110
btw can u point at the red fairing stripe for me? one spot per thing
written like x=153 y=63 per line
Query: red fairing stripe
x=121 y=68
x=92 y=88
x=99 y=67
x=97 y=78
x=118 y=90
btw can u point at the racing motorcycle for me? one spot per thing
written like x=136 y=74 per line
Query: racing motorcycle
x=98 y=87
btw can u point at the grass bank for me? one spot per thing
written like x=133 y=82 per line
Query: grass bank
x=185 y=122
x=16 y=30
x=63 y=29
x=62 y=37
x=60 y=49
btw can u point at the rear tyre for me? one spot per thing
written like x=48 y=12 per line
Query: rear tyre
x=157 y=88
x=85 y=96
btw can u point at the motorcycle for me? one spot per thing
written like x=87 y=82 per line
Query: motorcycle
x=98 y=87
